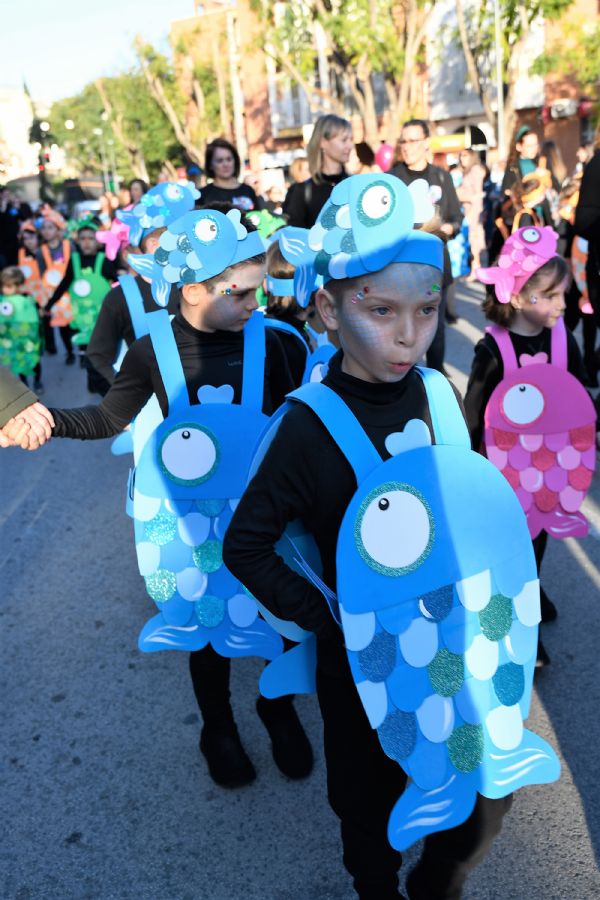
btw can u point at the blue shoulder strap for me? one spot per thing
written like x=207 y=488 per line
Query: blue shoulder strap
x=278 y=325
x=168 y=359
x=253 y=370
x=342 y=425
x=449 y=426
x=135 y=304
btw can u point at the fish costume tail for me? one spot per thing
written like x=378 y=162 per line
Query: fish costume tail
x=419 y=813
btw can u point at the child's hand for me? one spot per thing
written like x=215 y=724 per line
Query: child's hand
x=30 y=429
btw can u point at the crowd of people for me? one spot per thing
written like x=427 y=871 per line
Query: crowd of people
x=423 y=682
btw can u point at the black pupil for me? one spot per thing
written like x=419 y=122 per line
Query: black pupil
x=384 y=503
x=522 y=388
x=185 y=435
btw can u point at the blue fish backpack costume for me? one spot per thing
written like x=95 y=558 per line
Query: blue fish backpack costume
x=194 y=467
x=438 y=596
x=191 y=472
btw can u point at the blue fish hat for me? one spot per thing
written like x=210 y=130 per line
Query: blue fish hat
x=198 y=246
x=366 y=224
x=160 y=206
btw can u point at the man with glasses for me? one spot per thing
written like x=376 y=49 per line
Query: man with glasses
x=413 y=149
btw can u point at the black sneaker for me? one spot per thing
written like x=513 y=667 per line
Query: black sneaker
x=70 y=360
x=290 y=746
x=228 y=763
x=38 y=387
x=542 y=659
x=549 y=611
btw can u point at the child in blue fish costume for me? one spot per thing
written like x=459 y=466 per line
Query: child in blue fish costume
x=122 y=317
x=218 y=374
x=428 y=680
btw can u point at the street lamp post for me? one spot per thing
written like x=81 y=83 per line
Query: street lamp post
x=99 y=133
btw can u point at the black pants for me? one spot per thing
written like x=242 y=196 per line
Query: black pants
x=364 y=784
x=588 y=326
x=210 y=680
x=437 y=350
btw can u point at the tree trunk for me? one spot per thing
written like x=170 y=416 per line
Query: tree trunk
x=222 y=89
x=473 y=74
x=194 y=152
x=136 y=157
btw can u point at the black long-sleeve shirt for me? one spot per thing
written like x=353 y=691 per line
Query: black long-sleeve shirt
x=487 y=372
x=448 y=204
x=114 y=325
x=304 y=475
x=305 y=200
x=207 y=358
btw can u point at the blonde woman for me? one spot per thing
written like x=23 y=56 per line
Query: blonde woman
x=328 y=151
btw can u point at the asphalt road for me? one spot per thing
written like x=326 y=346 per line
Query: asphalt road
x=104 y=794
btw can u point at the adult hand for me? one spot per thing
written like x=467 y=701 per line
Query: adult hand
x=30 y=429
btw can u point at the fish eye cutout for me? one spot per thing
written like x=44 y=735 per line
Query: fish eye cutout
x=206 y=230
x=394 y=529
x=531 y=235
x=376 y=204
x=523 y=404
x=174 y=192
x=188 y=454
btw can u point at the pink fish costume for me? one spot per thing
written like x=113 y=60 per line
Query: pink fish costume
x=540 y=423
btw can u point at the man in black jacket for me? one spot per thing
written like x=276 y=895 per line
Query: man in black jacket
x=414 y=150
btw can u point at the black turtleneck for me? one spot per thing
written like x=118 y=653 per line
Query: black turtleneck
x=207 y=358
x=305 y=476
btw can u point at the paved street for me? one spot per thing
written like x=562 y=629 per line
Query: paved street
x=104 y=794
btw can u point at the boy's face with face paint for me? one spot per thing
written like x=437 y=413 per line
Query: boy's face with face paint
x=385 y=320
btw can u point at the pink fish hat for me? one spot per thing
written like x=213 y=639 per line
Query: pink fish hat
x=523 y=253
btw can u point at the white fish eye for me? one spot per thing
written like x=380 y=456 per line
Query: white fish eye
x=376 y=203
x=174 y=192
x=6 y=308
x=523 y=404
x=394 y=529
x=188 y=454
x=206 y=230
x=82 y=288
x=531 y=235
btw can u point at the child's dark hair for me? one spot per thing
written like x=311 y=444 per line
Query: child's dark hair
x=504 y=313
x=12 y=276
x=278 y=267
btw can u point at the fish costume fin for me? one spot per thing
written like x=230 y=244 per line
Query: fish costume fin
x=293 y=672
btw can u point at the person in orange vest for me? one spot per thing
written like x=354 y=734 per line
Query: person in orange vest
x=53 y=259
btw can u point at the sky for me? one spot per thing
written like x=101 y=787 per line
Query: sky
x=58 y=46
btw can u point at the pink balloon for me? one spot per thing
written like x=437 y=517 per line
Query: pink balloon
x=384 y=157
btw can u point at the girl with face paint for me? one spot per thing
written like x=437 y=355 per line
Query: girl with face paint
x=526 y=303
